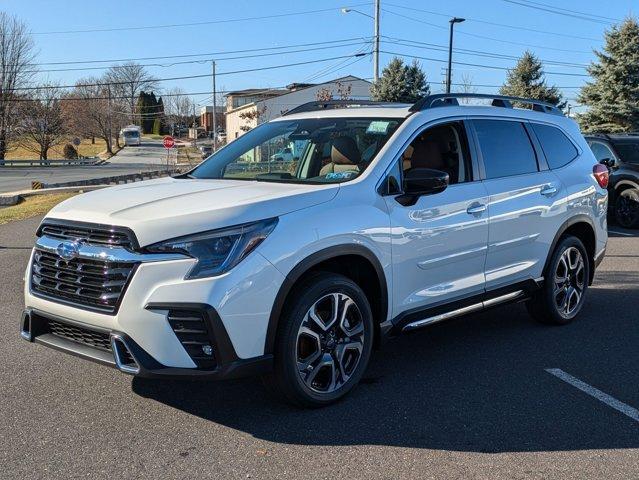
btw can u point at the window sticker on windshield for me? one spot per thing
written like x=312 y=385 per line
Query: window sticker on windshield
x=378 y=127
x=339 y=175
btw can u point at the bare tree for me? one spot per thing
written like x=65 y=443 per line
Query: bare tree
x=178 y=107
x=42 y=124
x=127 y=81
x=466 y=85
x=16 y=70
x=88 y=112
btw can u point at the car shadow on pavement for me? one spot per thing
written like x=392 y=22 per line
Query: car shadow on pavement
x=476 y=384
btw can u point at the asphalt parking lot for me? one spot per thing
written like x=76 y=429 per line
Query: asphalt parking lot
x=471 y=398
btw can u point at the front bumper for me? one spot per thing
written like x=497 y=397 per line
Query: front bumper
x=127 y=356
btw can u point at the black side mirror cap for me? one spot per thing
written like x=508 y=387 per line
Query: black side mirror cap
x=422 y=181
x=608 y=162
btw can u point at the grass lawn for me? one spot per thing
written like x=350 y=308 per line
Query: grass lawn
x=190 y=155
x=32 y=206
x=86 y=149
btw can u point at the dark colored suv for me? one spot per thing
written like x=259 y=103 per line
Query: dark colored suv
x=620 y=153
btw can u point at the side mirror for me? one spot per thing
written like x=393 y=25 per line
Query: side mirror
x=608 y=162
x=422 y=181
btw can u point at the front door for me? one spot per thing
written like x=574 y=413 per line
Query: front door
x=439 y=243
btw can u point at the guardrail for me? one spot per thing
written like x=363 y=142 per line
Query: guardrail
x=113 y=180
x=52 y=163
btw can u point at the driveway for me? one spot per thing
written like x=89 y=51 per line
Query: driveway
x=470 y=398
x=151 y=155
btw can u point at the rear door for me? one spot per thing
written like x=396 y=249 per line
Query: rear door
x=524 y=206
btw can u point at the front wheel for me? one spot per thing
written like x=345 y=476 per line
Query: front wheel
x=565 y=285
x=324 y=342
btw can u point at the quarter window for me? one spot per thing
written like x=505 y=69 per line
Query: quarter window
x=506 y=148
x=558 y=149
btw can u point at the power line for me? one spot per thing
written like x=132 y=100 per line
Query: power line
x=194 y=24
x=186 y=77
x=503 y=25
x=185 y=62
x=492 y=67
x=461 y=32
x=561 y=11
x=208 y=54
x=465 y=51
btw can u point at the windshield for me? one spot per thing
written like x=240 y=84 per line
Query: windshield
x=130 y=134
x=628 y=151
x=317 y=150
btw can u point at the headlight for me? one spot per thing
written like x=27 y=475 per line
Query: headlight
x=217 y=251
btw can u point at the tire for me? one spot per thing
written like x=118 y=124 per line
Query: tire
x=627 y=208
x=566 y=282
x=318 y=358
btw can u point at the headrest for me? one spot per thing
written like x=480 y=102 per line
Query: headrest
x=345 y=152
x=426 y=154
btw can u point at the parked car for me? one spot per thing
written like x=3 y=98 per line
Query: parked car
x=297 y=276
x=621 y=154
x=206 y=150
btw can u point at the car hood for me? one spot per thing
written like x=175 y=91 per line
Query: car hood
x=166 y=208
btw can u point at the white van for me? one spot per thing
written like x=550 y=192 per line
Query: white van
x=131 y=136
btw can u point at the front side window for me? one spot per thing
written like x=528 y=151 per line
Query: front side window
x=317 y=150
x=601 y=151
x=558 y=149
x=628 y=151
x=442 y=147
x=506 y=148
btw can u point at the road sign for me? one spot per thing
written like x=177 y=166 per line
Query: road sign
x=76 y=141
x=169 y=142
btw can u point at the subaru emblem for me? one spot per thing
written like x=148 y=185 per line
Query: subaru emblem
x=68 y=250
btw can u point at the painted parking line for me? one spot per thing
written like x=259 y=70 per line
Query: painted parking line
x=612 y=402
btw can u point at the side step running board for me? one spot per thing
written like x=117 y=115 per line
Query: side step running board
x=465 y=310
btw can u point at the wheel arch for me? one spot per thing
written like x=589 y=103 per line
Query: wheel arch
x=339 y=259
x=582 y=227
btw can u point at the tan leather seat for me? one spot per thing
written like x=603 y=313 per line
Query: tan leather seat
x=426 y=154
x=344 y=157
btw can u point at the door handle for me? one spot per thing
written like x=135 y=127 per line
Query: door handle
x=548 y=190
x=476 y=209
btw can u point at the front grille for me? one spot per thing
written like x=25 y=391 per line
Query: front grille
x=190 y=328
x=80 y=335
x=91 y=234
x=93 y=284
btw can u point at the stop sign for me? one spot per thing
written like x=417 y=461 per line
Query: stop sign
x=168 y=142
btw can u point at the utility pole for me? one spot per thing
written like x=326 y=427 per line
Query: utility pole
x=376 y=39
x=214 y=110
x=110 y=143
x=452 y=22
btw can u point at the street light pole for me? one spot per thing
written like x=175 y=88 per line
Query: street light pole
x=376 y=39
x=452 y=22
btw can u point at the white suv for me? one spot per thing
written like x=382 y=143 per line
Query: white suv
x=393 y=217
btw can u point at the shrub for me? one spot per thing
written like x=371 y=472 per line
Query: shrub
x=157 y=127
x=69 y=152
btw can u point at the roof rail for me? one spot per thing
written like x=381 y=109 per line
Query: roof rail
x=334 y=104
x=444 y=99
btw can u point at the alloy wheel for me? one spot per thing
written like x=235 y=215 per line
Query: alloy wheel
x=570 y=281
x=329 y=343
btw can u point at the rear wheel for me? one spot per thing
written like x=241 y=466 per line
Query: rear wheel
x=627 y=208
x=565 y=285
x=324 y=342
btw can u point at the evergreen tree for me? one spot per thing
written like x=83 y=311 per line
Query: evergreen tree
x=527 y=80
x=400 y=83
x=612 y=97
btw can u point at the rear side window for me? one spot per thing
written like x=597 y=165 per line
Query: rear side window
x=505 y=147
x=558 y=149
x=601 y=151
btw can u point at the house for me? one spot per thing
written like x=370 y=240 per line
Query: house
x=206 y=117
x=246 y=109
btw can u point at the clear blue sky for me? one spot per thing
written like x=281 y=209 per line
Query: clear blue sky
x=397 y=21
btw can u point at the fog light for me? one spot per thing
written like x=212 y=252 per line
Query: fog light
x=207 y=349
